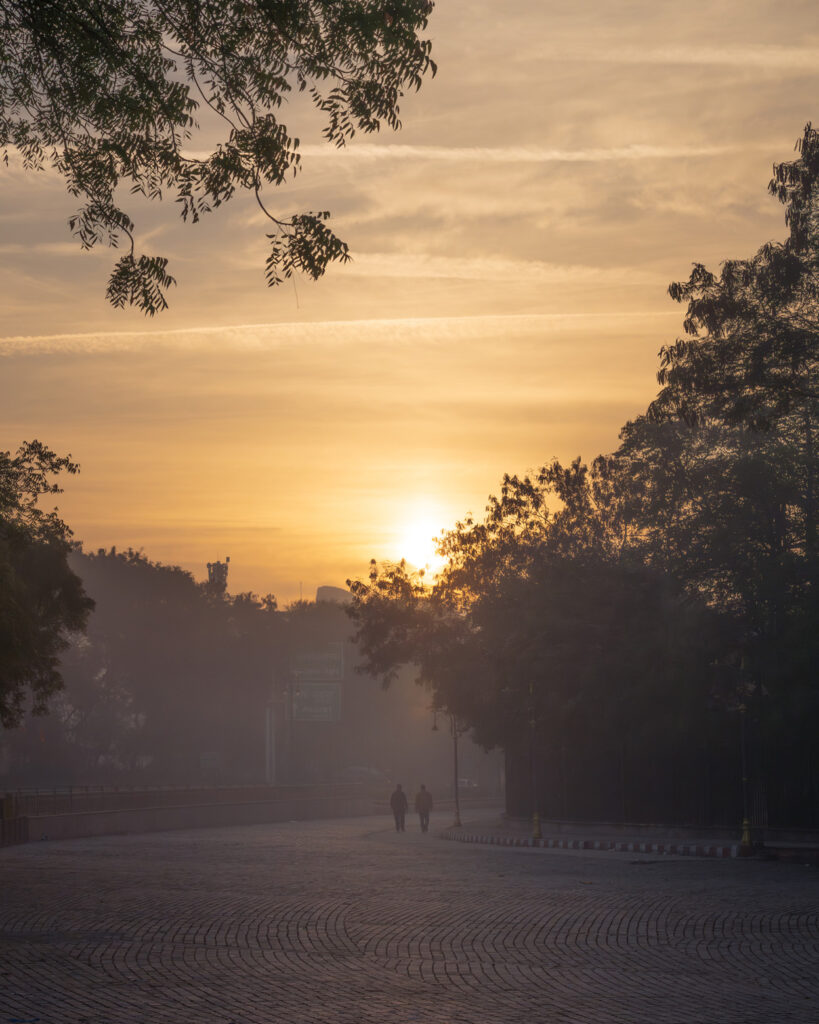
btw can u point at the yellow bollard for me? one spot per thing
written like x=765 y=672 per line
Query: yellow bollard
x=745 y=845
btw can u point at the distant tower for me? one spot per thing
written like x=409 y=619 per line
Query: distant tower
x=217 y=575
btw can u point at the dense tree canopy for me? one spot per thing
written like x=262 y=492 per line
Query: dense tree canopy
x=540 y=617
x=41 y=600
x=166 y=670
x=723 y=467
x=110 y=93
x=400 y=620
x=178 y=682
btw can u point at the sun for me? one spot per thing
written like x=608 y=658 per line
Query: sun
x=416 y=542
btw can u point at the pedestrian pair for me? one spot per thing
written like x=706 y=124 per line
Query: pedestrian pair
x=399 y=807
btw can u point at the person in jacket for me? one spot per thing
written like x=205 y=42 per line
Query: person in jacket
x=398 y=805
x=423 y=805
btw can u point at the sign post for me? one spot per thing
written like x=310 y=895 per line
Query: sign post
x=317 y=691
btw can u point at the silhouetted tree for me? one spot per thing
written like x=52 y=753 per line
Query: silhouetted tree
x=723 y=467
x=545 y=629
x=719 y=479
x=167 y=673
x=751 y=358
x=42 y=601
x=571 y=617
x=401 y=621
x=108 y=93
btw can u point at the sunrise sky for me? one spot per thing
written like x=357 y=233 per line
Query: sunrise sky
x=512 y=248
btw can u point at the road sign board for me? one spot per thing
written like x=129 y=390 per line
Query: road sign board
x=317 y=702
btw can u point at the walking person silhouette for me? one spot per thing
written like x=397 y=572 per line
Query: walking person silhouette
x=423 y=804
x=399 y=806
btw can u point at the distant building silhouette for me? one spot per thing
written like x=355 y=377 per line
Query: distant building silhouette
x=217 y=575
x=334 y=595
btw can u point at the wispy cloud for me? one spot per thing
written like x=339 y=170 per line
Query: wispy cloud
x=258 y=337
x=423 y=265
x=48 y=249
x=779 y=57
x=788 y=59
x=514 y=154
x=371 y=152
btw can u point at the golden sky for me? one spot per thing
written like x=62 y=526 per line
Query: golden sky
x=512 y=247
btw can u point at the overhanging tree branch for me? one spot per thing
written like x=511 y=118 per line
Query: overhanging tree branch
x=104 y=93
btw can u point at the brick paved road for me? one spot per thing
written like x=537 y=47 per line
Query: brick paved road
x=349 y=922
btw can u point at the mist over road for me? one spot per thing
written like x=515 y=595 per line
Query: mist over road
x=347 y=921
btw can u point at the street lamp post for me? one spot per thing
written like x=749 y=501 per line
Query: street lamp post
x=291 y=692
x=454 y=721
x=733 y=687
x=745 y=845
x=536 y=833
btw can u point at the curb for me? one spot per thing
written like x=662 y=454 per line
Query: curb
x=677 y=849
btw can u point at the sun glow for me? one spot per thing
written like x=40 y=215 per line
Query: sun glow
x=416 y=541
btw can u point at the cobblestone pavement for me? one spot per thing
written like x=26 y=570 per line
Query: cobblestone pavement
x=349 y=922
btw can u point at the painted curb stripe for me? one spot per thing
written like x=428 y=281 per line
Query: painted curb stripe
x=680 y=850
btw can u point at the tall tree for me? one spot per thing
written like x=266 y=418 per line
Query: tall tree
x=726 y=457
x=108 y=92
x=42 y=602
x=751 y=355
x=720 y=476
